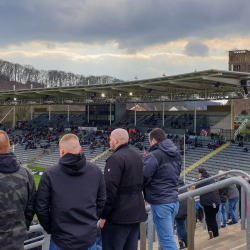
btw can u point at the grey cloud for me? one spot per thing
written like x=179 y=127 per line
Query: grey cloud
x=133 y=24
x=196 y=49
x=50 y=45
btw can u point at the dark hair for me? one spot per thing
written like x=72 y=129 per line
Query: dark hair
x=158 y=134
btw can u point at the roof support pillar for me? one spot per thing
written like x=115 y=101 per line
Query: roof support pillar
x=135 y=114
x=31 y=112
x=88 y=114
x=68 y=113
x=232 y=116
x=14 y=117
x=110 y=114
x=163 y=110
x=49 y=112
x=195 y=118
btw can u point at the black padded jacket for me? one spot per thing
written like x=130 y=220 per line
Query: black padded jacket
x=124 y=181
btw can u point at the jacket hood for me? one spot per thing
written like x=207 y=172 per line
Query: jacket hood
x=8 y=163
x=167 y=146
x=73 y=164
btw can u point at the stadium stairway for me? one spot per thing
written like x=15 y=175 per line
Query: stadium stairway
x=204 y=159
x=230 y=238
x=100 y=155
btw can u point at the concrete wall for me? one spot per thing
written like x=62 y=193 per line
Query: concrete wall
x=224 y=123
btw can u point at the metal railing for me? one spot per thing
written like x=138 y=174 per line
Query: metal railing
x=191 y=198
x=209 y=188
x=42 y=240
x=215 y=177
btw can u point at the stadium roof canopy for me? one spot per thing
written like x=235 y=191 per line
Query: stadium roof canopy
x=202 y=85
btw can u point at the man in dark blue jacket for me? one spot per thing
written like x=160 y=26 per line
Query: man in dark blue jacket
x=70 y=198
x=161 y=170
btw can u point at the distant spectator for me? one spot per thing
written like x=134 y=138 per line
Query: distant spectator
x=223 y=199
x=210 y=202
x=245 y=149
x=240 y=144
x=233 y=198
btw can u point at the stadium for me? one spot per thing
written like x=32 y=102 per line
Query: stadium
x=208 y=135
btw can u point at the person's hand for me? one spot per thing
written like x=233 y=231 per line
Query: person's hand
x=101 y=223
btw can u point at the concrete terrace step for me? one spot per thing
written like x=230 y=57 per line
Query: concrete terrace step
x=230 y=238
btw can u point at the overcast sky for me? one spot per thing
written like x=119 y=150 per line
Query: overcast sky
x=123 y=38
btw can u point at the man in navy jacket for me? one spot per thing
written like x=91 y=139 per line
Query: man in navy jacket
x=161 y=170
x=70 y=198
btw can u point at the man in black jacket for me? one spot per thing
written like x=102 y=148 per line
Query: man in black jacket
x=210 y=202
x=17 y=198
x=124 y=208
x=70 y=198
x=161 y=170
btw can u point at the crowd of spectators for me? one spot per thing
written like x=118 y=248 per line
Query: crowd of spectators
x=33 y=138
x=216 y=144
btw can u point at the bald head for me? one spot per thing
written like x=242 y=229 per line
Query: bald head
x=118 y=137
x=4 y=142
x=69 y=144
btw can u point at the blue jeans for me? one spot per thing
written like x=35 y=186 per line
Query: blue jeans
x=232 y=209
x=53 y=246
x=99 y=243
x=163 y=218
x=222 y=210
x=181 y=230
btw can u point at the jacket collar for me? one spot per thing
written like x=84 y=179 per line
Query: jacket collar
x=121 y=146
x=154 y=147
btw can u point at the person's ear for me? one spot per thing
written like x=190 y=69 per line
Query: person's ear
x=80 y=149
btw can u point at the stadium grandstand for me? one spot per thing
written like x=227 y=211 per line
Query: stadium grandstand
x=206 y=133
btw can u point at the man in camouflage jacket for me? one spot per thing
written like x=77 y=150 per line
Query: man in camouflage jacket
x=17 y=198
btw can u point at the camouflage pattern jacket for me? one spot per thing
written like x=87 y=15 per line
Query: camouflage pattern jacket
x=17 y=202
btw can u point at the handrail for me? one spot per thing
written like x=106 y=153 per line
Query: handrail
x=45 y=242
x=214 y=177
x=219 y=185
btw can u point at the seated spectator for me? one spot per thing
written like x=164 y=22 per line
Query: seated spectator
x=245 y=149
x=240 y=144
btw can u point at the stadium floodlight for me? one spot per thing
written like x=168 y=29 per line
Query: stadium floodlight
x=103 y=95
x=130 y=93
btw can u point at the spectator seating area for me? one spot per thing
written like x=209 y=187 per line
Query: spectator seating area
x=25 y=155
x=57 y=120
x=232 y=157
x=53 y=157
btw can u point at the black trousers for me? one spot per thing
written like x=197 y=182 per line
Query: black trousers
x=210 y=214
x=120 y=236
